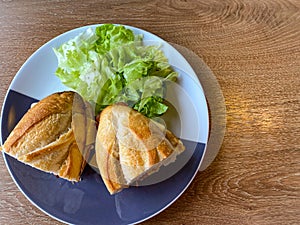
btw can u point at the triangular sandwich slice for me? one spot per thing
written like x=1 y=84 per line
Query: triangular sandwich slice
x=44 y=138
x=129 y=147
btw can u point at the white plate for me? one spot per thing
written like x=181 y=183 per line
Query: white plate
x=88 y=202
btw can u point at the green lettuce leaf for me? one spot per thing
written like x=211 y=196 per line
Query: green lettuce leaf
x=151 y=106
x=111 y=64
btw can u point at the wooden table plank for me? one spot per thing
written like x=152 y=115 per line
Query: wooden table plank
x=253 y=48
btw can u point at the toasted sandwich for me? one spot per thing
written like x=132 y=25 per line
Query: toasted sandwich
x=46 y=137
x=129 y=147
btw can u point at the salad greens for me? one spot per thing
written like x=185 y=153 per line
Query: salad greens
x=111 y=64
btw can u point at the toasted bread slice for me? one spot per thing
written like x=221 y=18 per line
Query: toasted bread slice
x=130 y=147
x=44 y=138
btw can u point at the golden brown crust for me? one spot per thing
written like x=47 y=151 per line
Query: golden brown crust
x=139 y=125
x=129 y=144
x=58 y=103
x=44 y=138
x=71 y=168
x=107 y=155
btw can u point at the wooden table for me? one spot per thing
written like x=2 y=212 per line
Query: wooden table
x=253 y=48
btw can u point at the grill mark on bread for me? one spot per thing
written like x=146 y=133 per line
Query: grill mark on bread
x=139 y=125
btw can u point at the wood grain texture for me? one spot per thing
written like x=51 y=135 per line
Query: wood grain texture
x=253 y=48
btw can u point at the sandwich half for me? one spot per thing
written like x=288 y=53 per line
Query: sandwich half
x=45 y=137
x=129 y=147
